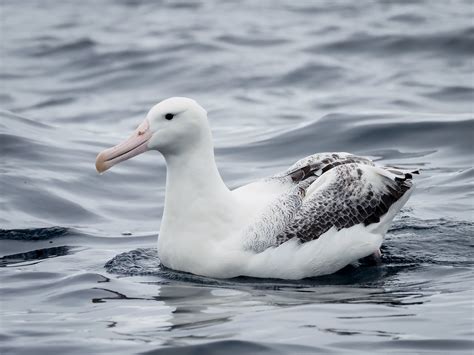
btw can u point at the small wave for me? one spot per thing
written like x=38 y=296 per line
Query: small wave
x=359 y=134
x=45 y=203
x=78 y=45
x=14 y=146
x=412 y=240
x=34 y=234
x=312 y=75
x=237 y=347
x=53 y=102
x=14 y=121
x=136 y=262
x=407 y=18
x=191 y=46
x=251 y=41
x=34 y=256
x=452 y=93
x=459 y=42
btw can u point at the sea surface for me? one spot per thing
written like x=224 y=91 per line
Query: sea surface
x=392 y=80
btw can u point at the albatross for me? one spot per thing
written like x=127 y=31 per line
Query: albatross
x=326 y=211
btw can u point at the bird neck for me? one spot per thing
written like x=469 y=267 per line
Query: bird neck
x=196 y=195
x=194 y=173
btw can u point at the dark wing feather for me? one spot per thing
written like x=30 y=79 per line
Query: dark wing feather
x=344 y=195
x=318 y=164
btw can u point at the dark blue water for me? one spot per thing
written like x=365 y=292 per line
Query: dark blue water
x=281 y=80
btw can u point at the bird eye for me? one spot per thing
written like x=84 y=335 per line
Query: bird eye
x=169 y=116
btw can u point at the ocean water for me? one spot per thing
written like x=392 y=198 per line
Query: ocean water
x=79 y=274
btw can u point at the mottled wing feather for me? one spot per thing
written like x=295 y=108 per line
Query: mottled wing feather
x=318 y=164
x=345 y=195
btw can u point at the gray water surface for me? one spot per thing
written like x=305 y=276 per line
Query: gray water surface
x=280 y=80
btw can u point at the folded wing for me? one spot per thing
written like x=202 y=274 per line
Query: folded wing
x=328 y=190
x=344 y=196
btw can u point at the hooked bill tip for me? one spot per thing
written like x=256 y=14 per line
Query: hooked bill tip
x=100 y=164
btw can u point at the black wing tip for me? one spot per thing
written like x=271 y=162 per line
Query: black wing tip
x=396 y=189
x=402 y=174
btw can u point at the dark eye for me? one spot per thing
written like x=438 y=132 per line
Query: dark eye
x=169 y=116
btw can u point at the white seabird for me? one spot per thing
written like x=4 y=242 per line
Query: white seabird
x=326 y=211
